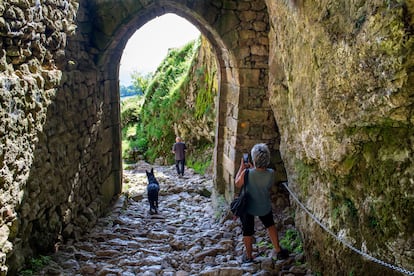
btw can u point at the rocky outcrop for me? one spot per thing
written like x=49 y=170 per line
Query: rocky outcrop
x=341 y=92
x=198 y=102
x=198 y=96
x=185 y=86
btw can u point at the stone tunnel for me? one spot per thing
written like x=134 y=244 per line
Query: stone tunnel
x=328 y=85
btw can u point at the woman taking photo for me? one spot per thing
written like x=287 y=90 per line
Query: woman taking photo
x=260 y=180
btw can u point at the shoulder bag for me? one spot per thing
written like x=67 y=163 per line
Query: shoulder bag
x=238 y=205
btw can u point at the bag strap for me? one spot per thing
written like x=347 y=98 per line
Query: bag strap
x=246 y=180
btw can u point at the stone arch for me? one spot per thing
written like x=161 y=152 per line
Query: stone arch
x=241 y=51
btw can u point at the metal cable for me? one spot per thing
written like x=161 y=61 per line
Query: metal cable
x=396 y=268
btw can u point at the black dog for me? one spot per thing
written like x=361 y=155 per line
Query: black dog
x=153 y=189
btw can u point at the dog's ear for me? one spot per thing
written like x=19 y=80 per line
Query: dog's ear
x=152 y=170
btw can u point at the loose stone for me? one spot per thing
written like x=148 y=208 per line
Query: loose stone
x=186 y=237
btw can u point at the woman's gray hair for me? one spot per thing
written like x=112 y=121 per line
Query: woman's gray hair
x=260 y=155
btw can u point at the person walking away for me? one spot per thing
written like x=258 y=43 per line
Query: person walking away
x=259 y=183
x=179 y=149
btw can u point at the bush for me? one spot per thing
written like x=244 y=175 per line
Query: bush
x=34 y=265
x=292 y=241
x=130 y=110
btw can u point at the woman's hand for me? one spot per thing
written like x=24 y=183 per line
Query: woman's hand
x=244 y=166
x=239 y=179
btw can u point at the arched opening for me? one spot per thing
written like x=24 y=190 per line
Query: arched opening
x=175 y=79
x=227 y=79
x=149 y=45
x=160 y=69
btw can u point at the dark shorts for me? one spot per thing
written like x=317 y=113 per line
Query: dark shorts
x=248 y=222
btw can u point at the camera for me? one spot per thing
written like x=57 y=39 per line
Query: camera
x=245 y=158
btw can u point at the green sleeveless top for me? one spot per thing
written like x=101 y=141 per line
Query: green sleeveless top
x=258 y=191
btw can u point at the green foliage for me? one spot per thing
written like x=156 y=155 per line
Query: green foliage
x=201 y=157
x=205 y=99
x=343 y=210
x=130 y=110
x=129 y=132
x=200 y=167
x=373 y=222
x=140 y=81
x=159 y=112
x=336 y=212
x=264 y=243
x=34 y=265
x=149 y=128
x=352 y=210
x=132 y=148
x=132 y=144
x=292 y=241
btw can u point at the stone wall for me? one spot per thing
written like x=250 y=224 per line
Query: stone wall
x=341 y=88
x=55 y=130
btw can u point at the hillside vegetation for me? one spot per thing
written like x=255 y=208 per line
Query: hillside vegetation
x=179 y=101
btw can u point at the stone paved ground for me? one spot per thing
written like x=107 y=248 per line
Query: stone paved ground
x=187 y=237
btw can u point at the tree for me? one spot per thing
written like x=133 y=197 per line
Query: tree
x=140 y=80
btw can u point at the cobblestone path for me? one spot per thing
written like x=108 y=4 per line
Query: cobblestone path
x=187 y=237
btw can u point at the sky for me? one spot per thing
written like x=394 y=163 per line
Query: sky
x=149 y=45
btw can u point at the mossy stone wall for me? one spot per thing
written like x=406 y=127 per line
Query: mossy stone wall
x=341 y=88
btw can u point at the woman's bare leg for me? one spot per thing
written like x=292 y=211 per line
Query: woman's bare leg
x=248 y=245
x=274 y=237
